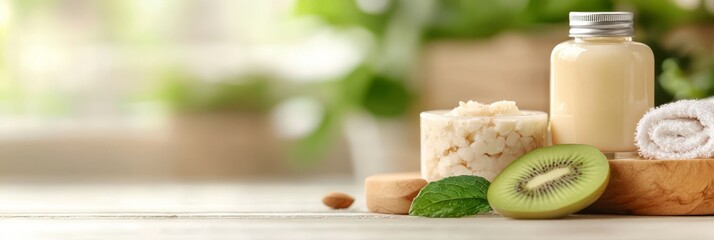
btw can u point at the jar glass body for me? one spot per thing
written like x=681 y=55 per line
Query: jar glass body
x=600 y=87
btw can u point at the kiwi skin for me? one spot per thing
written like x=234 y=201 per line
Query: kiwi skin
x=555 y=212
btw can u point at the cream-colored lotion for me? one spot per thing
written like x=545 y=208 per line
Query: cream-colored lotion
x=600 y=88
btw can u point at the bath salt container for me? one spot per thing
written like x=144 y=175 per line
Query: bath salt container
x=480 y=146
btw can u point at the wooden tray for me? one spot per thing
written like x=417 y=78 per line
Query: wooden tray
x=658 y=187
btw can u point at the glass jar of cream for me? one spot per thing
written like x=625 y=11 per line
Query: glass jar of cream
x=601 y=82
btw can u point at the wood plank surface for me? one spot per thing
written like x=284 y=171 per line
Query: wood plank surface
x=278 y=210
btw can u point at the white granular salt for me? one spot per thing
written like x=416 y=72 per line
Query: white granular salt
x=478 y=139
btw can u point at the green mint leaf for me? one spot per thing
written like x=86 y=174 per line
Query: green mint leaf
x=452 y=197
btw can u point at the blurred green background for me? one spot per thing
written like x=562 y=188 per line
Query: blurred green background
x=302 y=73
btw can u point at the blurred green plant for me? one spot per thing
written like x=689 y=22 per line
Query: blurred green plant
x=699 y=84
x=182 y=92
x=342 y=13
x=363 y=89
x=485 y=18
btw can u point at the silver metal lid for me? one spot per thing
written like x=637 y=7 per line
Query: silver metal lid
x=594 y=24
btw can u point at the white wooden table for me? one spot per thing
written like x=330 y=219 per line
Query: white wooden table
x=278 y=210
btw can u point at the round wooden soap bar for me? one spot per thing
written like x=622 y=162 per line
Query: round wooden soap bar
x=658 y=187
x=392 y=193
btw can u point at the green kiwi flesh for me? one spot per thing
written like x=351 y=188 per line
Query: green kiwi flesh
x=550 y=182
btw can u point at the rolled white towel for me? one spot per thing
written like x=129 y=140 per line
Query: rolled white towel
x=678 y=130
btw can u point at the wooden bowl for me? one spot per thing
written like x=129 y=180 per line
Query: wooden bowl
x=658 y=187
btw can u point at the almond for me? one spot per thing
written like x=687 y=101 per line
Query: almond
x=338 y=200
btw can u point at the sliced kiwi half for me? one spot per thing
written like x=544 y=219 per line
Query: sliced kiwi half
x=550 y=182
